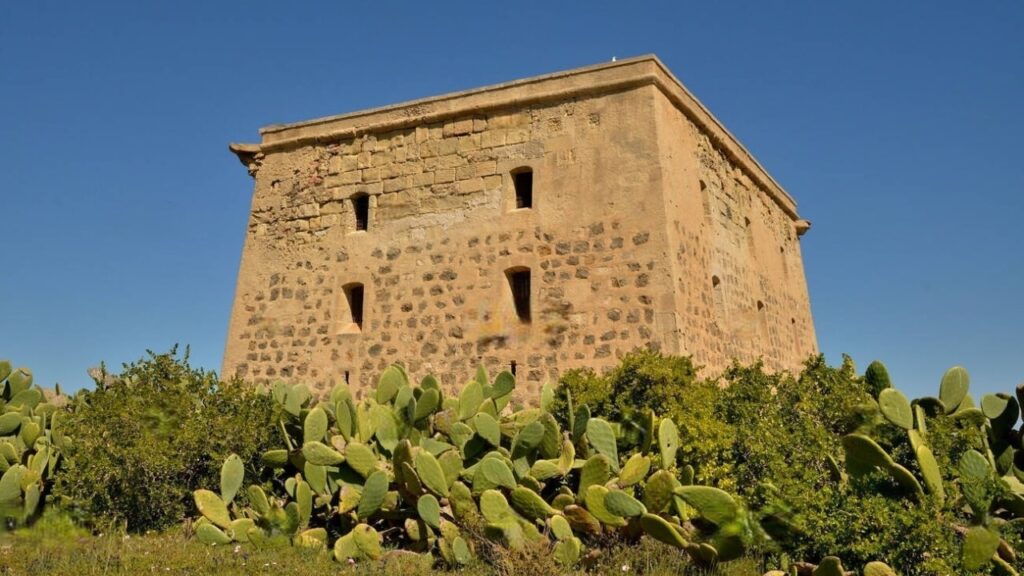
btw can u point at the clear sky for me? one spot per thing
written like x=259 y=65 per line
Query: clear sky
x=896 y=126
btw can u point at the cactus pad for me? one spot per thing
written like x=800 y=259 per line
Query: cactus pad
x=314 y=428
x=275 y=458
x=391 y=379
x=495 y=508
x=930 y=471
x=896 y=408
x=864 y=450
x=567 y=552
x=461 y=500
x=713 y=504
x=658 y=528
x=953 y=388
x=429 y=509
x=212 y=507
x=594 y=499
x=320 y=454
x=487 y=428
x=430 y=473
x=877 y=378
x=374 y=491
x=231 y=475
x=427 y=404
x=361 y=458
x=581 y=520
x=668 y=442
x=980 y=545
x=368 y=541
x=622 y=504
x=878 y=569
x=212 y=535
x=830 y=566
x=602 y=438
x=596 y=470
x=658 y=491
x=9 y=422
x=470 y=399
x=492 y=473
x=530 y=504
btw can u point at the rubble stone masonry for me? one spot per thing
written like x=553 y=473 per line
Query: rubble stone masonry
x=649 y=226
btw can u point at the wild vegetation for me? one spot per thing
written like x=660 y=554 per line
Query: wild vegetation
x=813 y=473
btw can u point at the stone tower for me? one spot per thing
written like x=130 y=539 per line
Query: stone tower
x=543 y=224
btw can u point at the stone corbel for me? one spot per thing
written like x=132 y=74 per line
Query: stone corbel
x=250 y=155
x=802 y=226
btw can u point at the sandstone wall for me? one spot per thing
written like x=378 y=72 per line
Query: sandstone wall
x=443 y=230
x=740 y=288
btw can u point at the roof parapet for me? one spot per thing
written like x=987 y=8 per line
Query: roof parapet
x=598 y=79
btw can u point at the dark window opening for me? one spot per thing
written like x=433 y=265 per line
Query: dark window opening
x=760 y=306
x=512 y=367
x=361 y=206
x=346 y=377
x=715 y=281
x=354 y=295
x=519 y=281
x=523 y=182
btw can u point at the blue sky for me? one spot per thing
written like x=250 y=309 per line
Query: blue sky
x=896 y=126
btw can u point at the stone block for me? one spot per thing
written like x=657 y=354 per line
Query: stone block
x=470 y=186
x=444 y=175
x=469 y=143
x=493 y=138
x=458 y=127
x=476 y=169
x=395 y=184
x=492 y=182
x=371 y=175
x=516 y=136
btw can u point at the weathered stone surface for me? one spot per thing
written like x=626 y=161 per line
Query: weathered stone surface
x=650 y=226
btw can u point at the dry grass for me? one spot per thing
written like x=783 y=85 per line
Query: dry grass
x=55 y=546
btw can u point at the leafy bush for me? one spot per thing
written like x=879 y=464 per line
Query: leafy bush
x=144 y=440
x=778 y=441
x=647 y=380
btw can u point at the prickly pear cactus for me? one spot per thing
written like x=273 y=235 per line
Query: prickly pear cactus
x=32 y=443
x=408 y=467
x=988 y=478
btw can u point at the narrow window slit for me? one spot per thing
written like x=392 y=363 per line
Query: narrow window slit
x=354 y=296
x=522 y=180
x=519 y=283
x=361 y=206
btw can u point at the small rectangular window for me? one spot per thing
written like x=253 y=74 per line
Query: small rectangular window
x=361 y=205
x=354 y=295
x=519 y=282
x=523 y=182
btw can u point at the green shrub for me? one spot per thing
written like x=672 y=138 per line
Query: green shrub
x=768 y=437
x=647 y=380
x=145 y=440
